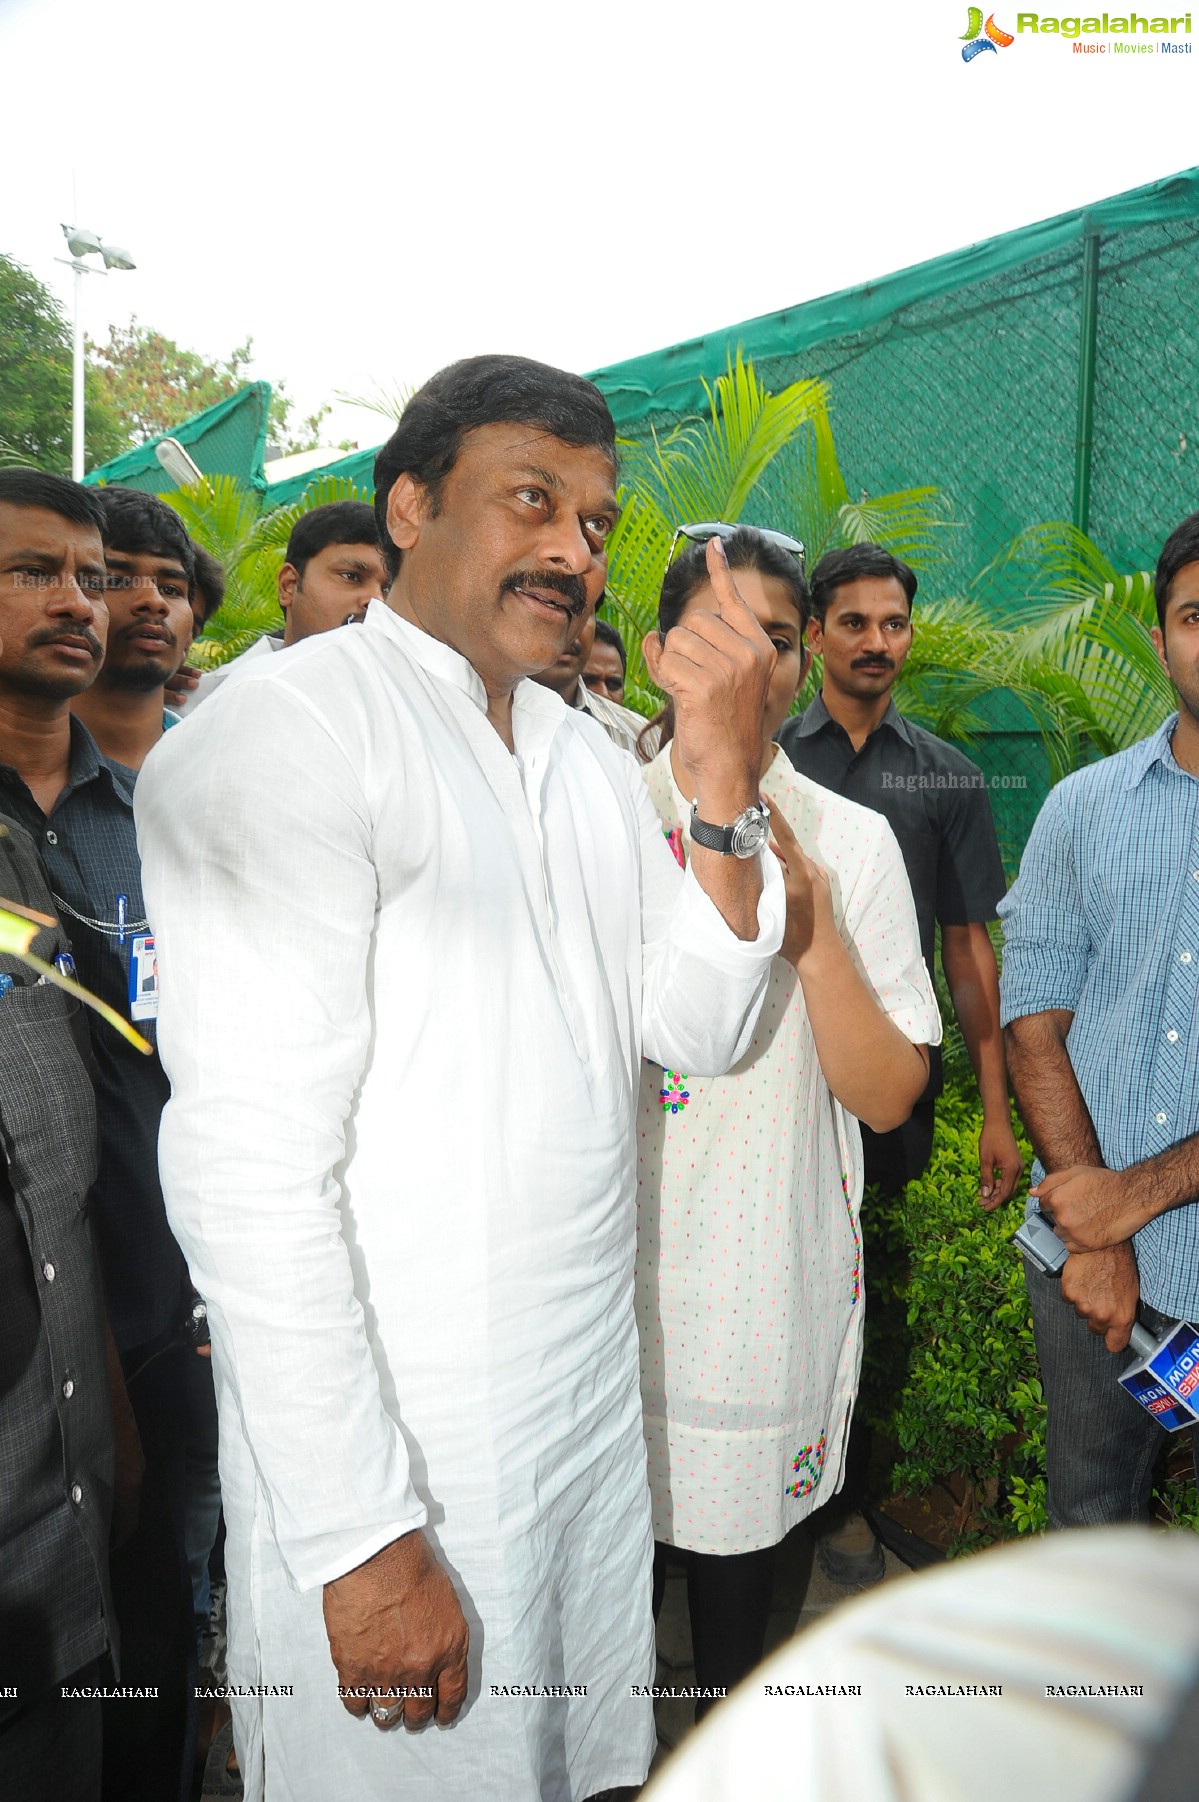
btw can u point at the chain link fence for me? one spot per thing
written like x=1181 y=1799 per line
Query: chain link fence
x=1049 y=374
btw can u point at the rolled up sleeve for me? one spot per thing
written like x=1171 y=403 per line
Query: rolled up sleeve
x=1047 y=946
x=702 y=986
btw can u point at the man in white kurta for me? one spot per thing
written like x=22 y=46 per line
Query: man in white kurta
x=407 y=977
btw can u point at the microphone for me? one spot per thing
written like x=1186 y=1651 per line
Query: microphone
x=1164 y=1379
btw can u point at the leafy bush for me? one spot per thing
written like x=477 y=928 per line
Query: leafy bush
x=951 y=1375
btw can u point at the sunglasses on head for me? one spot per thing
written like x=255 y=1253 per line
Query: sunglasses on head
x=716 y=528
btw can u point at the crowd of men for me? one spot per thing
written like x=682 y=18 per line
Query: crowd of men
x=416 y=925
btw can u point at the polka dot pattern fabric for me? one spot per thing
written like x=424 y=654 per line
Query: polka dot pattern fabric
x=748 y=1252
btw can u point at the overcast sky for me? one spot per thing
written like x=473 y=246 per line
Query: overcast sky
x=376 y=188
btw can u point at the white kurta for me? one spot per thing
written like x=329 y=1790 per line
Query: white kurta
x=749 y=1255
x=406 y=980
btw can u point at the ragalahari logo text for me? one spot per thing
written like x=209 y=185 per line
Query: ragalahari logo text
x=978 y=37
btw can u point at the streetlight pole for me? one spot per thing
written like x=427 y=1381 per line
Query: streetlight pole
x=77 y=377
x=82 y=243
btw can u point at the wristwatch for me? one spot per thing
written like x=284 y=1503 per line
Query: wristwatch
x=744 y=838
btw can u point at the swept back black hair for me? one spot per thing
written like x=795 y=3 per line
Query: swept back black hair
x=478 y=391
x=340 y=522
x=837 y=568
x=1180 y=548
x=54 y=494
x=140 y=523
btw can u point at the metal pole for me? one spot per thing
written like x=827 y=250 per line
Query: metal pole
x=77 y=380
x=1087 y=328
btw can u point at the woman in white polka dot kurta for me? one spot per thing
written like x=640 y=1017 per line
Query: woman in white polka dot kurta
x=748 y=1275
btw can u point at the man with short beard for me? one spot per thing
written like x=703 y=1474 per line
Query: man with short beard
x=77 y=806
x=151 y=623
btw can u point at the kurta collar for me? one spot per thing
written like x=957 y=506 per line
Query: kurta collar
x=448 y=665
x=439 y=659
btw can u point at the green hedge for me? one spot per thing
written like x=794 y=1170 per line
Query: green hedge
x=951 y=1375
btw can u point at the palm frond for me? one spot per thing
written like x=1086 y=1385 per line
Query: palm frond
x=707 y=469
x=637 y=552
x=388 y=400
x=1076 y=611
x=911 y=523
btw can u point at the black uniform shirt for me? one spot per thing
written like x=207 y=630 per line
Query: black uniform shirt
x=935 y=801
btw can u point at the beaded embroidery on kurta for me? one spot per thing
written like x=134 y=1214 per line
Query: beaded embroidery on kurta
x=808 y=1463
x=674 y=1096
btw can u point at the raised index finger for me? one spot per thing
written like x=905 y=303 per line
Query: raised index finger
x=729 y=604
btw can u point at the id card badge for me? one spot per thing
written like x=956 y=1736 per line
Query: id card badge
x=143 y=978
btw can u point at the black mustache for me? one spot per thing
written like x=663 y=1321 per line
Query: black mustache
x=57 y=635
x=872 y=663
x=569 y=587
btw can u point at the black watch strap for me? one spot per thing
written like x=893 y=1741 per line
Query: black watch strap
x=715 y=838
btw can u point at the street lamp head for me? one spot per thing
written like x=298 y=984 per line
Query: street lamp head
x=81 y=242
x=116 y=258
x=178 y=465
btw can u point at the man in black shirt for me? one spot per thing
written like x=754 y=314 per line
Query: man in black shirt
x=77 y=807
x=854 y=741
x=56 y=1436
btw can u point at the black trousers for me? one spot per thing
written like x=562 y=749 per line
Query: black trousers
x=728 y=1598
x=50 y=1750
x=150 y=1745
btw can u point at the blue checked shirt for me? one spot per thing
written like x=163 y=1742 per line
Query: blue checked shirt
x=1104 y=921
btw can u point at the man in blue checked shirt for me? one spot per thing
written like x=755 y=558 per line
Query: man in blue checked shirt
x=1100 y=998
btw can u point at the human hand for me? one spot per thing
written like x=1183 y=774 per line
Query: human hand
x=395 y=1623
x=715 y=668
x=1103 y=1288
x=809 y=892
x=997 y=1152
x=1091 y=1207
x=180 y=686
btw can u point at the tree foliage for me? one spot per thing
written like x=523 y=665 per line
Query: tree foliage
x=35 y=381
x=153 y=384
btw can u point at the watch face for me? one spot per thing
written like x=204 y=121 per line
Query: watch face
x=750 y=831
